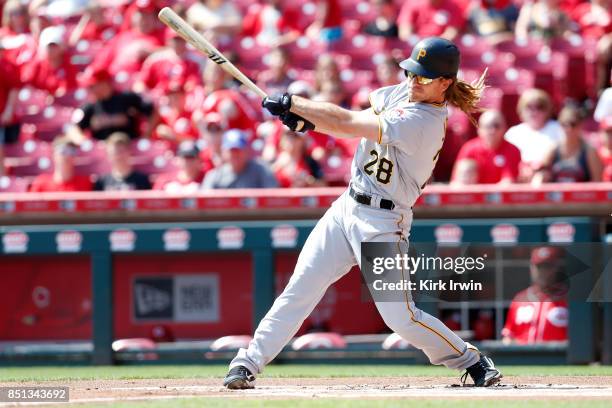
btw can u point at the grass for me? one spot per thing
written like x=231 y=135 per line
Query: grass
x=354 y=403
x=20 y=374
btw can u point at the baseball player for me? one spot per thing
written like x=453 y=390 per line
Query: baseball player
x=402 y=135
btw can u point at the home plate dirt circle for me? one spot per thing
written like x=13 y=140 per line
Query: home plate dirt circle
x=566 y=387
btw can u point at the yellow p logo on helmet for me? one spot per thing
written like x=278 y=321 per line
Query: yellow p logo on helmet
x=422 y=53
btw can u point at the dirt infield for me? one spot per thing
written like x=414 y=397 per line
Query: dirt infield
x=544 y=387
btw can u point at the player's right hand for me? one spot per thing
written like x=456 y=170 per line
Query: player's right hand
x=277 y=104
x=296 y=122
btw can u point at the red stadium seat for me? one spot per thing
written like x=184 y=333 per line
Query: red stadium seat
x=31 y=101
x=582 y=57
x=359 y=10
x=73 y=99
x=49 y=122
x=251 y=55
x=29 y=148
x=152 y=157
x=304 y=53
x=13 y=184
x=513 y=82
x=91 y=158
x=529 y=47
x=472 y=46
x=550 y=69
x=353 y=81
x=358 y=47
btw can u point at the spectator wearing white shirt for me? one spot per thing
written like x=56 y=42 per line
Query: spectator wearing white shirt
x=538 y=134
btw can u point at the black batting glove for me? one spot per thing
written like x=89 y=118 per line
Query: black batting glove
x=296 y=122
x=277 y=104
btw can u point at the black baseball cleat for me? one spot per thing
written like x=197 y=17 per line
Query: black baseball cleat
x=239 y=378
x=483 y=373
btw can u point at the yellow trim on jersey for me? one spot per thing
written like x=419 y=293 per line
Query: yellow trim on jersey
x=371 y=104
x=412 y=313
x=379 y=130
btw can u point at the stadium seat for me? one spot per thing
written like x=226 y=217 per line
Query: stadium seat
x=31 y=101
x=29 y=148
x=152 y=157
x=582 y=57
x=13 y=184
x=304 y=53
x=73 y=99
x=251 y=55
x=336 y=170
x=358 y=10
x=91 y=158
x=472 y=46
x=358 y=47
x=529 y=47
x=513 y=82
x=551 y=72
x=353 y=81
x=50 y=121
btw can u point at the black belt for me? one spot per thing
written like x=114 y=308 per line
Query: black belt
x=365 y=199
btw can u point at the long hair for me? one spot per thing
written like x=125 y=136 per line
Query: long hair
x=466 y=96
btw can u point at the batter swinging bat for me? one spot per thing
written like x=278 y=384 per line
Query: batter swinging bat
x=189 y=34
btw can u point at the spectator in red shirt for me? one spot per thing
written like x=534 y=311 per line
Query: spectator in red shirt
x=229 y=103
x=496 y=159
x=127 y=51
x=605 y=150
x=9 y=86
x=594 y=18
x=293 y=167
x=441 y=18
x=211 y=129
x=168 y=64
x=93 y=26
x=595 y=21
x=327 y=25
x=63 y=177
x=276 y=79
x=190 y=174
x=52 y=70
x=272 y=23
x=20 y=46
x=539 y=313
x=175 y=118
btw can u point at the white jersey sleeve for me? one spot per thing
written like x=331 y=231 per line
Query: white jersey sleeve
x=400 y=125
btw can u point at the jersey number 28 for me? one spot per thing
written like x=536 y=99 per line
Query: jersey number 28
x=383 y=170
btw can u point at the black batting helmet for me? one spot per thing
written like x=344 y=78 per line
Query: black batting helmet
x=433 y=57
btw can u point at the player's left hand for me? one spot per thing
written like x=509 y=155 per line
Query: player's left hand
x=277 y=104
x=296 y=122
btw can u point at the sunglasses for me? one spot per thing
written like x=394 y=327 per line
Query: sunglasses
x=494 y=125
x=536 y=106
x=421 y=80
x=569 y=124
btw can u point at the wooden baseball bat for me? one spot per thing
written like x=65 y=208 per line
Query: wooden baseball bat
x=189 y=34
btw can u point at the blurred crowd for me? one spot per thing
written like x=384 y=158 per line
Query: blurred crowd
x=100 y=95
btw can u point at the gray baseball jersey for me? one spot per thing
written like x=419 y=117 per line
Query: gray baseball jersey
x=396 y=167
x=411 y=136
